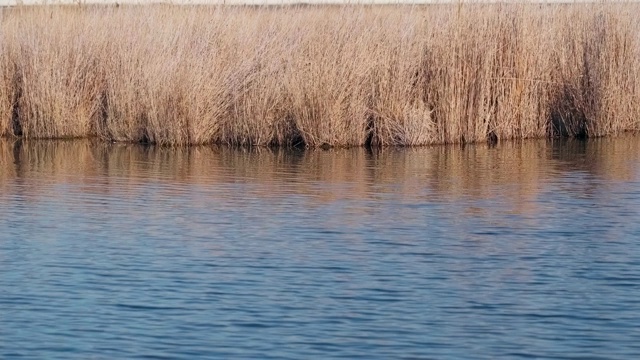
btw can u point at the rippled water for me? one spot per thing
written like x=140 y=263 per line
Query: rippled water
x=119 y=251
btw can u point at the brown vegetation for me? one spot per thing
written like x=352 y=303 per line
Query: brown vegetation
x=320 y=75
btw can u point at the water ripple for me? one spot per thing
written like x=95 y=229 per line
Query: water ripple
x=127 y=252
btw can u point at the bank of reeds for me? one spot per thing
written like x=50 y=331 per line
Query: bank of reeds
x=320 y=75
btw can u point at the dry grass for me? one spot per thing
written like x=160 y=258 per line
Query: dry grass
x=320 y=75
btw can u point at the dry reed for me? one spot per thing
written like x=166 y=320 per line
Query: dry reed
x=320 y=75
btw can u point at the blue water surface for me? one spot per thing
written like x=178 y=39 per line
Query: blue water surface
x=523 y=250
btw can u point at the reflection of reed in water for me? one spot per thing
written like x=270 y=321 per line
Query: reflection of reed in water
x=517 y=171
x=7 y=159
x=602 y=157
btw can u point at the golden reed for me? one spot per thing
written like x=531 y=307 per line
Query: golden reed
x=320 y=75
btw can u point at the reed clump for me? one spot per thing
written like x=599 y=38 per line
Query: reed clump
x=320 y=75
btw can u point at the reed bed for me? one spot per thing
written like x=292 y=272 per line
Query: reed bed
x=320 y=76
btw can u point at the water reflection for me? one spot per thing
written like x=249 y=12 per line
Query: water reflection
x=481 y=186
x=516 y=170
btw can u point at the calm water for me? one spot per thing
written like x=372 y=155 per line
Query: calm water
x=117 y=251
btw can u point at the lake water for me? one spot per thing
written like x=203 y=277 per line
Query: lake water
x=522 y=250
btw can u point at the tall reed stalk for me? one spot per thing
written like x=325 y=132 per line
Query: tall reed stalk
x=320 y=75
